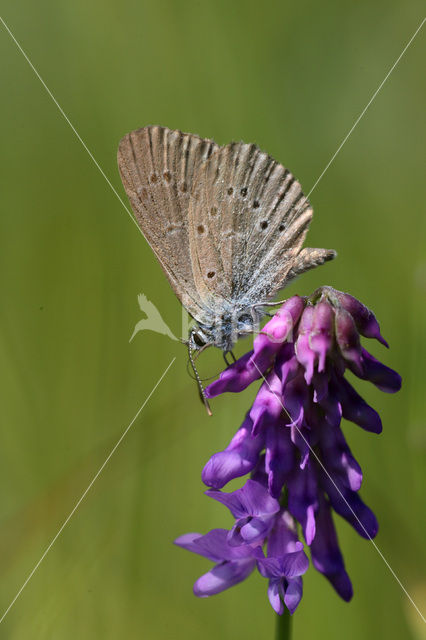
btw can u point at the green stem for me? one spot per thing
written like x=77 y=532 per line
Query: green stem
x=283 y=628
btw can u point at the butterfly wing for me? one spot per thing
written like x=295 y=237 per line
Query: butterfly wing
x=248 y=220
x=157 y=167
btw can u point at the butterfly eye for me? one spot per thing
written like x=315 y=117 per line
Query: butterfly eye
x=198 y=340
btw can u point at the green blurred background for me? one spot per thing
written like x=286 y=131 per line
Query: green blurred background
x=291 y=77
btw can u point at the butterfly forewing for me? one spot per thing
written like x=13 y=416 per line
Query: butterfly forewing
x=212 y=228
x=157 y=167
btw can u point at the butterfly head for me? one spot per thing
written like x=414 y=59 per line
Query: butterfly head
x=221 y=331
x=199 y=339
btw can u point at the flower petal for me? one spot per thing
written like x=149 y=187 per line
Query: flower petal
x=287 y=566
x=326 y=555
x=293 y=593
x=275 y=332
x=320 y=384
x=274 y=595
x=286 y=364
x=338 y=459
x=305 y=355
x=294 y=564
x=332 y=412
x=354 y=408
x=348 y=340
x=187 y=541
x=237 y=377
x=253 y=531
x=283 y=537
x=268 y=405
x=240 y=457
x=213 y=545
x=279 y=328
x=365 y=319
x=268 y=567
x=279 y=458
x=349 y=505
x=223 y=576
x=383 y=377
x=321 y=337
x=253 y=499
x=303 y=499
x=295 y=395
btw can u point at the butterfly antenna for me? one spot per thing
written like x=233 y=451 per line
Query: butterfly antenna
x=198 y=379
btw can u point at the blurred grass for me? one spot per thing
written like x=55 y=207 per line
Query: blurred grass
x=292 y=78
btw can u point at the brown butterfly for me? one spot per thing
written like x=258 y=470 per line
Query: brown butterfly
x=227 y=224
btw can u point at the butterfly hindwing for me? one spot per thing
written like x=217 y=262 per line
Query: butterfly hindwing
x=249 y=219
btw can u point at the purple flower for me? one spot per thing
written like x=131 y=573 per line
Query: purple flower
x=326 y=555
x=237 y=552
x=240 y=457
x=254 y=509
x=292 y=445
x=285 y=564
x=234 y=564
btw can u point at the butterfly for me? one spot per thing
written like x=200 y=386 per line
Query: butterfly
x=227 y=224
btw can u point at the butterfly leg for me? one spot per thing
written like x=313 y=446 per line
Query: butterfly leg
x=225 y=353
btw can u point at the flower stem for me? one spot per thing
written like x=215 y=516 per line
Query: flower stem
x=283 y=628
